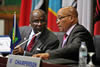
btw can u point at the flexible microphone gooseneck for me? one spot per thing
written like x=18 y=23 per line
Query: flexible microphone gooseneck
x=26 y=40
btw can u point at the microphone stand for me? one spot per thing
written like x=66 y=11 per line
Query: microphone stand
x=26 y=40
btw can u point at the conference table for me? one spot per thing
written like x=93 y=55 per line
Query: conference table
x=3 y=62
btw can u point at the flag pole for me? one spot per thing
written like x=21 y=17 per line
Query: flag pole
x=14 y=27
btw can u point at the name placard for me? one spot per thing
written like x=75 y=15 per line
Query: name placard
x=23 y=61
x=5 y=42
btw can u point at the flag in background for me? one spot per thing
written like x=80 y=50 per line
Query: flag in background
x=15 y=34
x=97 y=19
x=54 y=6
x=85 y=13
x=84 y=7
x=66 y=3
x=26 y=7
x=36 y=4
x=25 y=12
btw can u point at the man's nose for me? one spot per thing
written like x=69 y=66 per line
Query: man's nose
x=39 y=23
x=58 y=21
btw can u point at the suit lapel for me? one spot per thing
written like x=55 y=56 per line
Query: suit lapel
x=71 y=35
x=39 y=41
x=37 y=45
x=28 y=31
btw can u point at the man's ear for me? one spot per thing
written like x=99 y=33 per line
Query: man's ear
x=71 y=18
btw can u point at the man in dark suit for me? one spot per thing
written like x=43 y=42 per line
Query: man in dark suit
x=44 y=41
x=67 y=20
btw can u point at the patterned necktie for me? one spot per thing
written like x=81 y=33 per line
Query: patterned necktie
x=64 y=38
x=29 y=47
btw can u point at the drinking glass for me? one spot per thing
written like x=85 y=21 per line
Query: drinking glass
x=90 y=64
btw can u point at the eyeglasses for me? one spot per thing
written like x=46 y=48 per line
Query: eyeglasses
x=61 y=18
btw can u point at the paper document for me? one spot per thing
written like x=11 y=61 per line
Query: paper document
x=5 y=44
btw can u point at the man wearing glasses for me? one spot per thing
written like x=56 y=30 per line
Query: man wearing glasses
x=67 y=20
x=37 y=38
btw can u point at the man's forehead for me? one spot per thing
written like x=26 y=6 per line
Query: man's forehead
x=37 y=17
x=37 y=14
x=62 y=13
x=65 y=11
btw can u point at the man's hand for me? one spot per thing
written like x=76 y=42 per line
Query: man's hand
x=19 y=51
x=42 y=55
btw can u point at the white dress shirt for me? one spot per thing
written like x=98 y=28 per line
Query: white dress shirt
x=30 y=37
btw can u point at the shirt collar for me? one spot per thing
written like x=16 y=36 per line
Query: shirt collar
x=70 y=29
x=32 y=33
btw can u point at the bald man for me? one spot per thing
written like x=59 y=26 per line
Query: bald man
x=67 y=20
x=43 y=42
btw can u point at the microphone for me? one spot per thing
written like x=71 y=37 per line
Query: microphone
x=27 y=40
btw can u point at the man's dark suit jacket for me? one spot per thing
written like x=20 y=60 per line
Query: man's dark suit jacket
x=71 y=48
x=46 y=41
